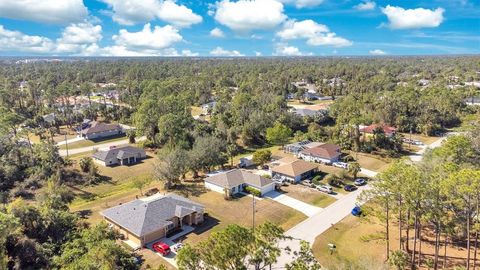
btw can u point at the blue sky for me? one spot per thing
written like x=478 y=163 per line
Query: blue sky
x=238 y=27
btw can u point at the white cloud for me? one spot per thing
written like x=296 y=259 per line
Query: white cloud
x=286 y=50
x=217 y=32
x=146 y=39
x=302 y=29
x=81 y=33
x=178 y=15
x=45 y=11
x=246 y=15
x=83 y=38
x=377 y=52
x=303 y=3
x=367 y=5
x=189 y=53
x=219 y=51
x=18 y=41
x=329 y=39
x=258 y=53
x=315 y=34
x=79 y=39
x=130 y=12
x=400 y=18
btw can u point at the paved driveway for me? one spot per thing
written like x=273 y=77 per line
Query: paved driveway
x=310 y=228
x=308 y=209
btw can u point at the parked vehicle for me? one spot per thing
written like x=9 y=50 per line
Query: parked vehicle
x=308 y=183
x=356 y=211
x=350 y=188
x=359 y=182
x=325 y=188
x=340 y=165
x=177 y=247
x=161 y=248
x=280 y=180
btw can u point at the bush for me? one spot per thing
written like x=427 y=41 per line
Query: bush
x=253 y=191
x=316 y=179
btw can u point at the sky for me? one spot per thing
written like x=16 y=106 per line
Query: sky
x=238 y=27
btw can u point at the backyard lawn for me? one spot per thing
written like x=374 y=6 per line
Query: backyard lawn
x=86 y=143
x=308 y=195
x=119 y=182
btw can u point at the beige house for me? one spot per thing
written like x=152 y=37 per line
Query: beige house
x=292 y=169
x=145 y=220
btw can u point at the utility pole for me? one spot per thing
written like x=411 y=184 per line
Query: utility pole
x=253 y=213
x=66 y=143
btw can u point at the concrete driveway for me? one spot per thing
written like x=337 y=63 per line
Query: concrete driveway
x=310 y=228
x=308 y=209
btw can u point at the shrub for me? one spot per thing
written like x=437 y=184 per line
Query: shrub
x=253 y=191
x=316 y=179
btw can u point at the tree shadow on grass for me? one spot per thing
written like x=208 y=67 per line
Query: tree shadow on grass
x=187 y=190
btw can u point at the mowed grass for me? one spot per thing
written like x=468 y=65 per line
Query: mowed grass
x=240 y=211
x=308 y=195
x=359 y=245
x=86 y=143
x=372 y=162
x=427 y=140
x=119 y=182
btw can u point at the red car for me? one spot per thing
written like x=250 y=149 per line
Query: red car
x=161 y=248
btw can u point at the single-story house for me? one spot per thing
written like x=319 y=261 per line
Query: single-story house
x=295 y=148
x=326 y=153
x=246 y=162
x=388 y=130
x=236 y=180
x=207 y=108
x=123 y=155
x=145 y=220
x=294 y=171
x=101 y=130
x=50 y=118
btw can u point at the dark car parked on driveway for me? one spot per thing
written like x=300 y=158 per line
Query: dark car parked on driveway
x=350 y=188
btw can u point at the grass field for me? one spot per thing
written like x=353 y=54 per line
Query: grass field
x=360 y=244
x=239 y=211
x=308 y=195
x=371 y=162
x=117 y=186
x=86 y=143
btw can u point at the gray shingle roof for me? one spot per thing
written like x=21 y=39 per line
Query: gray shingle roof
x=142 y=217
x=97 y=127
x=118 y=152
x=237 y=177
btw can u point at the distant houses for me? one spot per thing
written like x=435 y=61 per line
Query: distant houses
x=388 y=130
x=145 y=220
x=235 y=181
x=124 y=155
x=207 y=108
x=98 y=130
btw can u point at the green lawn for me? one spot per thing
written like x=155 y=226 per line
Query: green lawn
x=239 y=211
x=86 y=143
x=308 y=195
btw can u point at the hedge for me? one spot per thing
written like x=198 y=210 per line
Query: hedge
x=253 y=191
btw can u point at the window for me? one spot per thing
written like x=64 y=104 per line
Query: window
x=170 y=226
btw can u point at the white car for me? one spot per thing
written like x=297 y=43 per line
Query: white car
x=177 y=247
x=340 y=165
x=325 y=188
